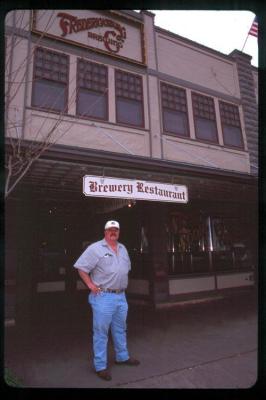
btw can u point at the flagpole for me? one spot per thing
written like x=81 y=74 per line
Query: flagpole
x=245 y=42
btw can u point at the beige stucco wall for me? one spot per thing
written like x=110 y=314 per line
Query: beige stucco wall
x=195 y=65
x=86 y=134
x=204 y=154
x=149 y=41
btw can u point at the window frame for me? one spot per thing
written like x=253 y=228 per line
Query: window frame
x=106 y=111
x=35 y=79
x=187 y=136
x=142 y=124
x=216 y=141
x=223 y=124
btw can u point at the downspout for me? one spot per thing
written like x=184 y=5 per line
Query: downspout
x=7 y=105
x=159 y=94
x=26 y=82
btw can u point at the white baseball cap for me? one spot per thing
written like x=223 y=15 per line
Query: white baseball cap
x=112 y=224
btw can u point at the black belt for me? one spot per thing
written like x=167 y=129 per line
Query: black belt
x=112 y=290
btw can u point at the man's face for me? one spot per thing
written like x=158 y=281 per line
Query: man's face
x=111 y=234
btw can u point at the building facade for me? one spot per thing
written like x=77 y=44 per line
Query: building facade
x=110 y=96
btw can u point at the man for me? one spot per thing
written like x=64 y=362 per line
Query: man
x=104 y=268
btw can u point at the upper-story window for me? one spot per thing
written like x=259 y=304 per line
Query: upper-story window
x=50 y=80
x=129 y=98
x=174 y=107
x=92 y=90
x=204 y=118
x=231 y=125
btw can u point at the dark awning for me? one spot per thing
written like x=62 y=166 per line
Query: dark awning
x=61 y=169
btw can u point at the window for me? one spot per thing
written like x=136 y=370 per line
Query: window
x=174 y=106
x=204 y=118
x=50 y=80
x=187 y=243
x=129 y=99
x=231 y=125
x=200 y=243
x=92 y=90
x=230 y=247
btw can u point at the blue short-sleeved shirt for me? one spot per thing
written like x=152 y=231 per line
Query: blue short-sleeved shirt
x=106 y=268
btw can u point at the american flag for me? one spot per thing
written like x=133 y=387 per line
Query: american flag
x=254 y=28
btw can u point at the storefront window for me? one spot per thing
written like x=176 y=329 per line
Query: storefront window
x=229 y=248
x=187 y=238
x=202 y=244
x=140 y=254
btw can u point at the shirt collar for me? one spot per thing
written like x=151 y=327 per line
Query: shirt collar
x=104 y=243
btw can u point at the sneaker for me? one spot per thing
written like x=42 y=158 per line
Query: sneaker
x=131 y=361
x=104 y=374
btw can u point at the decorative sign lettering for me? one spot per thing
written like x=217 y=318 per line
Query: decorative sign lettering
x=98 y=186
x=112 y=39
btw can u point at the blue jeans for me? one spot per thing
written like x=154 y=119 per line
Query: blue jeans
x=109 y=310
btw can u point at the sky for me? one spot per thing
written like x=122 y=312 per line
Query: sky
x=224 y=31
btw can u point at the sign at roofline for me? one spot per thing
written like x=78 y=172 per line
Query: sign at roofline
x=108 y=32
x=135 y=189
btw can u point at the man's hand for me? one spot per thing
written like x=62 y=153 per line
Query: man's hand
x=88 y=282
x=95 y=289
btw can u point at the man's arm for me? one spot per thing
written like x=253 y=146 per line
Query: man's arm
x=88 y=282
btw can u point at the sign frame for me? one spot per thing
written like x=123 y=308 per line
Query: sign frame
x=134 y=189
x=112 y=14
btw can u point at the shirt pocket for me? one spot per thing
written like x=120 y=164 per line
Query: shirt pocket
x=106 y=261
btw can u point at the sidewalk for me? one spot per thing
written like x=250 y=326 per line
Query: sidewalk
x=210 y=345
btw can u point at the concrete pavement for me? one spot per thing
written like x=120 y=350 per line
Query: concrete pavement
x=210 y=345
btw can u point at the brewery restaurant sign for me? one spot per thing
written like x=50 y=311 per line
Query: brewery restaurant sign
x=98 y=186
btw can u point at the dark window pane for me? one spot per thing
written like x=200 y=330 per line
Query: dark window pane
x=231 y=124
x=229 y=114
x=91 y=104
x=175 y=122
x=92 y=89
x=173 y=97
x=50 y=78
x=131 y=85
x=49 y=64
x=92 y=76
x=50 y=95
x=232 y=136
x=174 y=109
x=129 y=98
x=129 y=112
x=203 y=106
x=206 y=129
